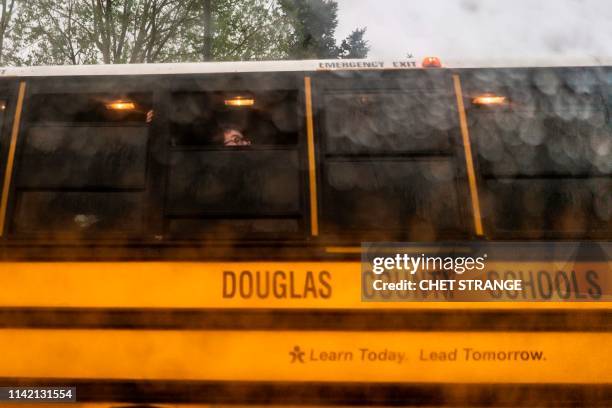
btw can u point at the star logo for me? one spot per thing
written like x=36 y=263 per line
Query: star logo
x=297 y=355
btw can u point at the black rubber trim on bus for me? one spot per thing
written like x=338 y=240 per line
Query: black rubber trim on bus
x=324 y=320
x=120 y=393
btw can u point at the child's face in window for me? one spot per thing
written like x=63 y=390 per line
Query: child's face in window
x=233 y=137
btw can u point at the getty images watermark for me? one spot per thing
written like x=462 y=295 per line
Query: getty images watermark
x=489 y=271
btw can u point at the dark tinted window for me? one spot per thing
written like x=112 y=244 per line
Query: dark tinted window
x=389 y=156
x=3 y=107
x=84 y=157
x=543 y=131
x=3 y=140
x=545 y=153
x=416 y=198
x=392 y=122
x=537 y=208
x=99 y=107
x=250 y=188
x=234 y=183
x=82 y=167
x=197 y=119
x=78 y=214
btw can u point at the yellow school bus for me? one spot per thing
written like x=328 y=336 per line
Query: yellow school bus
x=192 y=233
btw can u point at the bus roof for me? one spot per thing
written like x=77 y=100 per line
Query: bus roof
x=291 y=66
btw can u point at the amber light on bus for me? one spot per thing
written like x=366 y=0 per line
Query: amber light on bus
x=431 y=62
x=489 y=99
x=121 y=105
x=240 y=101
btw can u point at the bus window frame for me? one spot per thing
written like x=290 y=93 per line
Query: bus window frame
x=400 y=81
x=602 y=90
x=232 y=83
x=85 y=85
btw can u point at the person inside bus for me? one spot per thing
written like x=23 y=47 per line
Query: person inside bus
x=230 y=135
x=227 y=135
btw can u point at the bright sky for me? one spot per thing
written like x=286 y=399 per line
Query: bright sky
x=481 y=28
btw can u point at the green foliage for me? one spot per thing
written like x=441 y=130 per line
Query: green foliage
x=97 y=31
x=8 y=9
x=355 y=46
x=51 y=32
x=250 y=30
x=314 y=25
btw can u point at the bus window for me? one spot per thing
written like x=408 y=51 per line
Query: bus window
x=82 y=165
x=390 y=153
x=84 y=157
x=562 y=134
x=416 y=199
x=544 y=207
x=388 y=122
x=233 y=182
x=77 y=213
x=247 y=187
x=545 y=155
x=3 y=106
x=263 y=117
x=101 y=108
x=3 y=140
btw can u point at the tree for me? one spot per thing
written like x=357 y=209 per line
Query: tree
x=250 y=30
x=52 y=32
x=92 y=31
x=207 y=22
x=50 y=35
x=314 y=25
x=240 y=30
x=355 y=46
x=6 y=19
x=136 y=31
